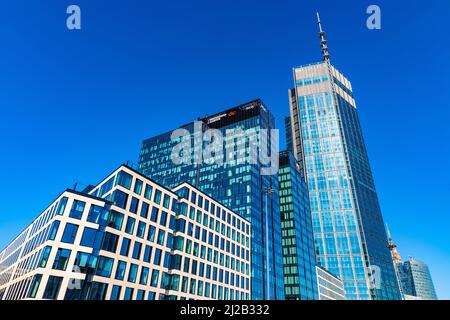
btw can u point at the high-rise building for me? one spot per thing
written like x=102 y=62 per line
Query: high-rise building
x=349 y=232
x=238 y=184
x=299 y=261
x=329 y=286
x=129 y=238
x=416 y=281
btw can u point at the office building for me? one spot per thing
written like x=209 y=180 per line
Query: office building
x=327 y=141
x=299 y=261
x=329 y=286
x=416 y=281
x=239 y=185
x=129 y=238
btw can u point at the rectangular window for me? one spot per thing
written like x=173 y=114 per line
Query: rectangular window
x=157 y=199
x=121 y=268
x=141 y=229
x=35 y=285
x=61 y=259
x=157 y=258
x=125 y=247
x=155 y=278
x=115 y=220
x=147 y=254
x=106 y=187
x=115 y=293
x=91 y=238
x=104 y=266
x=53 y=230
x=77 y=209
x=166 y=202
x=85 y=262
x=44 y=258
x=137 y=251
x=154 y=215
x=151 y=233
x=144 y=210
x=110 y=242
x=61 y=206
x=148 y=192
x=70 y=233
x=138 y=186
x=133 y=273
x=120 y=199
x=52 y=289
x=144 y=276
x=128 y=294
x=97 y=215
x=134 y=205
x=130 y=225
x=163 y=219
x=124 y=179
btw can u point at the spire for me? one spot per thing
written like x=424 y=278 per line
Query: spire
x=323 y=41
x=393 y=248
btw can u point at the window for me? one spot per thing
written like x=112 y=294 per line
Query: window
x=140 y=294
x=44 y=257
x=137 y=251
x=85 y=262
x=166 y=202
x=133 y=273
x=161 y=236
x=128 y=294
x=129 y=228
x=151 y=233
x=110 y=242
x=157 y=198
x=138 y=187
x=61 y=206
x=52 y=288
x=163 y=220
x=120 y=199
x=157 y=258
x=61 y=259
x=115 y=293
x=147 y=254
x=77 y=209
x=54 y=230
x=141 y=229
x=120 y=272
x=125 y=247
x=144 y=210
x=91 y=238
x=97 y=215
x=104 y=266
x=148 y=192
x=134 y=205
x=154 y=215
x=124 y=179
x=106 y=187
x=35 y=285
x=155 y=277
x=115 y=220
x=144 y=276
x=70 y=233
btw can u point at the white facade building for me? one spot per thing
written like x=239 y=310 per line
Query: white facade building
x=329 y=286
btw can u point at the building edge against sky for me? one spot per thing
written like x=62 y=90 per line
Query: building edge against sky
x=130 y=238
x=349 y=232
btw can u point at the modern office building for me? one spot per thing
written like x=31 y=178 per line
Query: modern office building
x=130 y=238
x=416 y=281
x=349 y=232
x=329 y=286
x=237 y=184
x=299 y=261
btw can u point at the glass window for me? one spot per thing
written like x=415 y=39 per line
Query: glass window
x=44 y=257
x=52 y=288
x=166 y=202
x=121 y=268
x=157 y=257
x=77 y=209
x=138 y=186
x=151 y=233
x=147 y=254
x=144 y=210
x=35 y=285
x=106 y=187
x=133 y=273
x=91 y=238
x=61 y=259
x=70 y=233
x=163 y=220
x=120 y=199
x=161 y=236
x=110 y=242
x=128 y=294
x=144 y=276
x=148 y=192
x=141 y=229
x=115 y=220
x=85 y=262
x=124 y=179
x=155 y=277
x=130 y=225
x=125 y=247
x=61 y=206
x=97 y=215
x=154 y=215
x=53 y=230
x=134 y=205
x=137 y=251
x=157 y=198
x=115 y=293
x=104 y=266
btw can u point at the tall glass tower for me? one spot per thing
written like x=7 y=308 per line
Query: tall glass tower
x=327 y=141
x=416 y=279
x=240 y=186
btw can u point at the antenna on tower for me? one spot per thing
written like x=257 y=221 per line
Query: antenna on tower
x=323 y=41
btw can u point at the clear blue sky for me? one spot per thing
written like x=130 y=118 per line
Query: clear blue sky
x=74 y=105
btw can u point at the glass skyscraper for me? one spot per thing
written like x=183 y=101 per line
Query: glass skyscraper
x=239 y=185
x=327 y=141
x=416 y=279
x=299 y=261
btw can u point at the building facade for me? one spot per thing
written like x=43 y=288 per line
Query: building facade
x=349 y=232
x=299 y=261
x=130 y=238
x=416 y=281
x=239 y=185
x=329 y=286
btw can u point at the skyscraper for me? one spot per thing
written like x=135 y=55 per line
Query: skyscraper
x=349 y=232
x=299 y=260
x=239 y=185
x=416 y=281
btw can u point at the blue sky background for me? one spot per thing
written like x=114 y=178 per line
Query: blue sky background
x=76 y=104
